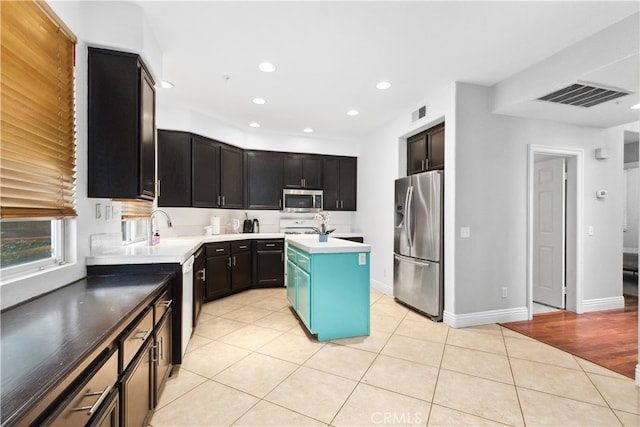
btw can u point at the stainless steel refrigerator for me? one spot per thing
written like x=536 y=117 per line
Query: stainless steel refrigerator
x=418 y=243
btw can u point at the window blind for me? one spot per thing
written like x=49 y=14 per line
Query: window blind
x=37 y=113
x=135 y=209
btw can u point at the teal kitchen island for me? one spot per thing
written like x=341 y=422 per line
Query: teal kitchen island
x=328 y=285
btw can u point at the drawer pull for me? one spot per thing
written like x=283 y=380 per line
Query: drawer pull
x=167 y=304
x=243 y=246
x=144 y=337
x=220 y=250
x=270 y=245
x=91 y=409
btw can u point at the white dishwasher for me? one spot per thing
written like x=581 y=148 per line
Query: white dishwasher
x=187 y=302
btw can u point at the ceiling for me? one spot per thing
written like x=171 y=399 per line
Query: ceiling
x=330 y=55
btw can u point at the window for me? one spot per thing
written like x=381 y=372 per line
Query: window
x=134 y=230
x=135 y=216
x=37 y=130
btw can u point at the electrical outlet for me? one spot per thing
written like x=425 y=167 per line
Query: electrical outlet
x=504 y=292
x=465 y=232
x=98 y=211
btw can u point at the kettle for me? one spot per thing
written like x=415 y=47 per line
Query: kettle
x=256 y=225
x=247 y=226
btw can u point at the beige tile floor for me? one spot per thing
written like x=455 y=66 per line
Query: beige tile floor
x=250 y=363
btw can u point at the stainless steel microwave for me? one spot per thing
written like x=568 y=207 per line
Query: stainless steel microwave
x=301 y=200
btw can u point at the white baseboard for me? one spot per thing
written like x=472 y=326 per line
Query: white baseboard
x=600 y=304
x=485 y=317
x=382 y=287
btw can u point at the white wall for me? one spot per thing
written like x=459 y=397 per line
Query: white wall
x=486 y=190
x=491 y=199
x=630 y=235
x=103 y=24
x=381 y=162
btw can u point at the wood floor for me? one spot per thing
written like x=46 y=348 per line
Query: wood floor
x=607 y=338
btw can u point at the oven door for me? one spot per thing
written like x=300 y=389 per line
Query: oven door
x=301 y=200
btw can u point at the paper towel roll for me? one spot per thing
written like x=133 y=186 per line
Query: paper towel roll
x=215 y=225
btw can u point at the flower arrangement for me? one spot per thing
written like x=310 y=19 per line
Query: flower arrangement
x=323 y=217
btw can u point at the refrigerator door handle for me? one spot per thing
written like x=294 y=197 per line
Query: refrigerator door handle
x=408 y=220
x=412 y=261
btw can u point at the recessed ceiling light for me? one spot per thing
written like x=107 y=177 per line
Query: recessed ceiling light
x=307 y=130
x=254 y=125
x=267 y=67
x=353 y=113
x=259 y=101
x=383 y=85
x=166 y=85
x=635 y=107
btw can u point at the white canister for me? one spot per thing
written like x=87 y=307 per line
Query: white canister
x=215 y=225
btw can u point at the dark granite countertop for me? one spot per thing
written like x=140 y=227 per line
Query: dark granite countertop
x=42 y=341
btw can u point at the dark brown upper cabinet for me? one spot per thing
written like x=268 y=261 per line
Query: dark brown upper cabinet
x=205 y=172
x=340 y=183
x=198 y=171
x=264 y=180
x=174 y=168
x=302 y=171
x=231 y=177
x=425 y=150
x=121 y=126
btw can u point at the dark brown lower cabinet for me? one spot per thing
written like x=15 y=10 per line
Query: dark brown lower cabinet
x=137 y=388
x=218 y=271
x=269 y=263
x=199 y=283
x=109 y=415
x=241 y=265
x=163 y=355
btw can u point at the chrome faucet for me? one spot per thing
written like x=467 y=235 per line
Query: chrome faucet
x=150 y=228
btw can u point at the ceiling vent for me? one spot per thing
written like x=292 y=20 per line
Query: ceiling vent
x=583 y=95
x=419 y=113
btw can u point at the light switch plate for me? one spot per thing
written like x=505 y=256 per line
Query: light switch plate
x=362 y=258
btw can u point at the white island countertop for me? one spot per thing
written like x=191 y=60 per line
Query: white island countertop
x=178 y=249
x=312 y=245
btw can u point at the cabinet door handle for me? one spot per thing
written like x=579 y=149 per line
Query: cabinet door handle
x=426 y=164
x=161 y=348
x=91 y=409
x=167 y=304
x=337 y=204
x=229 y=261
x=304 y=182
x=422 y=164
x=202 y=274
x=243 y=246
x=155 y=353
x=220 y=250
x=279 y=203
x=282 y=256
x=222 y=200
x=234 y=260
x=218 y=200
x=270 y=245
x=158 y=188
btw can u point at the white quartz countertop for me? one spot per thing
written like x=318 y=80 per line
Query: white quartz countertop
x=178 y=249
x=312 y=245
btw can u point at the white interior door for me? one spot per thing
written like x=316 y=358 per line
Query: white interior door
x=549 y=232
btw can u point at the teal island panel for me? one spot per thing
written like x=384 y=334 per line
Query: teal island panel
x=333 y=295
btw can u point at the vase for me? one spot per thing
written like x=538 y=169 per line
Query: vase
x=323 y=237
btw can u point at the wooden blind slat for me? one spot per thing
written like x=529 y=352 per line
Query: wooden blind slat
x=37 y=113
x=135 y=208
